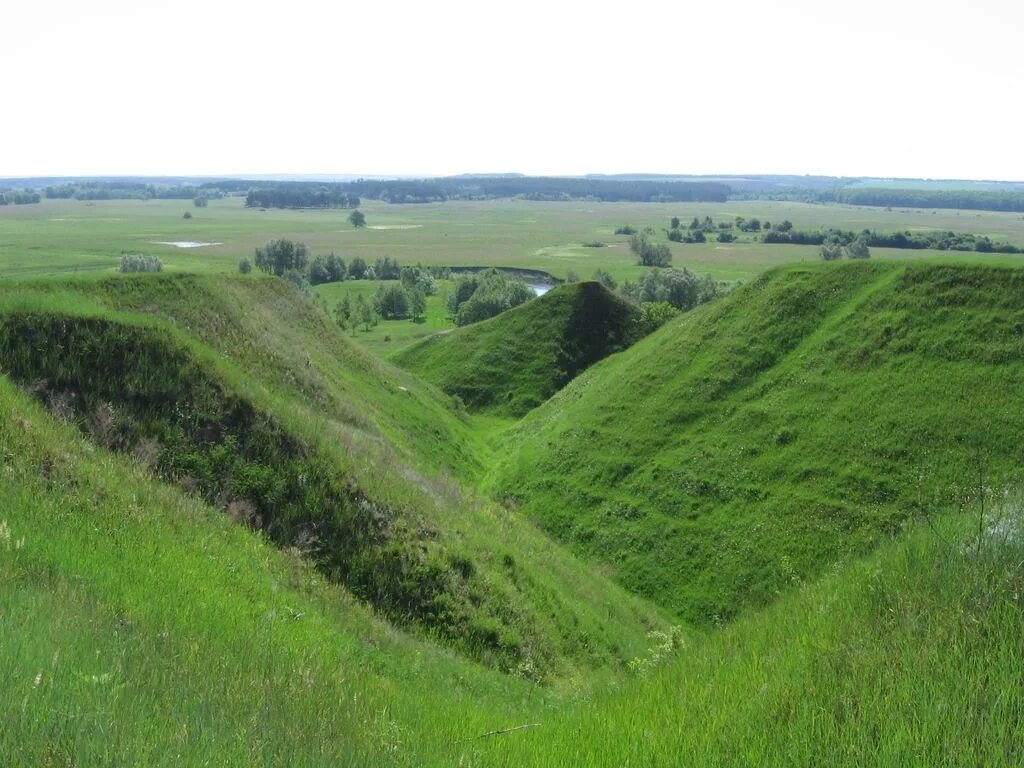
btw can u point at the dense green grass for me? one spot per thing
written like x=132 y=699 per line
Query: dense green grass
x=802 y=419
x=911 y=657
x=140 y=626
x=62 y=236
x=342 y=446
x=512 y=363
x=727 y=460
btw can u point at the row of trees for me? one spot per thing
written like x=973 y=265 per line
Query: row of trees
x=291 y=260
x=939 y=241
x=959 y=199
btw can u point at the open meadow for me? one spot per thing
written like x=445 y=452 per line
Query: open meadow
x=70 y=236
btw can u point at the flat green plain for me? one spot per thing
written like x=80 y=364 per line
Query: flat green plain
x=68 y=236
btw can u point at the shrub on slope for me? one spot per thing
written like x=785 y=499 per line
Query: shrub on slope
x=517 y=360
x=806 y=416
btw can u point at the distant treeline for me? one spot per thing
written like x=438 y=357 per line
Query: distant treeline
x=939 y=241
x=120 y=190
x=539 y=188
x=654 y=189
x=19 y=197
x=959 y=199
x=1008 y=200
x=301 y=195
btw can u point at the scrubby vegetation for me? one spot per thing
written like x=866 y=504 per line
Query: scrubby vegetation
x=138 y=262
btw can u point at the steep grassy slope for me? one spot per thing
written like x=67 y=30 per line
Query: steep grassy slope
x=140 y=626
x=517 y=360
x=294 y=431
x=761 y=438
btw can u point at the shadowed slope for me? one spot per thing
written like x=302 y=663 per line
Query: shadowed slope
x=517 y=360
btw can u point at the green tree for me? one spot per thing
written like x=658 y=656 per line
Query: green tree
x=830 y=251
x=650 y=254
x=674 y=223
x=858 y=249
x=357 y=218
x=280 y=256
x=343 y=313
x=244 y=265
x=357 y=269
x=417 y=303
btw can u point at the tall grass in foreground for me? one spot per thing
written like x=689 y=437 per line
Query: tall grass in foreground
x=912 y=657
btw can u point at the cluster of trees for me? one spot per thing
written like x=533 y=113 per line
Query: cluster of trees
x=939 y=241
x=834 y=250
x=351 y=314
x=699 y=230
x=19 y=197
x=405 y=298
x=485 y=294
x=649 y=253
x=301 y=195
x=137 y=262
x=681 y=289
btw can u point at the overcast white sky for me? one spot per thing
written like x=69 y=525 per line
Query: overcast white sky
x=859 y=87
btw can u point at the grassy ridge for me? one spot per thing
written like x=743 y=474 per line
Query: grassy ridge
x=512 y=363
x=782 y=431
x=325 y=448
x=140 y=626
x=802 y=419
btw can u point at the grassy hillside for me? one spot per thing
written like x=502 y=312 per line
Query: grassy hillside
x=517 y=360
x=776 y=434
x=803 y=418
x=142 y=626
x=909 y=657
x=247 y=396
